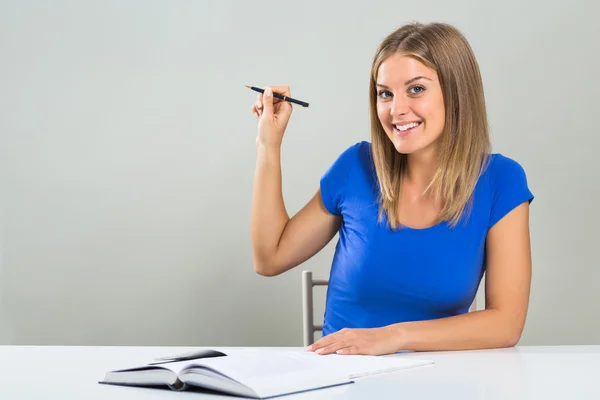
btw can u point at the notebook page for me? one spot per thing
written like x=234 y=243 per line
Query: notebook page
x=272 y=372
x=251 y=364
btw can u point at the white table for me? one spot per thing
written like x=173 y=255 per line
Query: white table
x=563 y=372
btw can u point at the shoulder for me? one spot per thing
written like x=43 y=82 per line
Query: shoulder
x=506 y=183
x=358 y=150
x=502 y=169
x=499 y=162
x=357 y=154
x=345 y=174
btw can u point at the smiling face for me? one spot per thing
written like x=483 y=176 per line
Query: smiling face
x=410 y=103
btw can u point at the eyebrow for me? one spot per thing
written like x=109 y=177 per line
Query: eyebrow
x=416 y=78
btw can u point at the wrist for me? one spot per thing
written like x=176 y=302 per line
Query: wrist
x=267 y=145
x=268 y=151
x=398 y=335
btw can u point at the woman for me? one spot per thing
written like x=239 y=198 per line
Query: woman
x=422 y=211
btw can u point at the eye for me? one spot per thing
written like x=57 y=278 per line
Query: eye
x=384 y=94
x=417 y=89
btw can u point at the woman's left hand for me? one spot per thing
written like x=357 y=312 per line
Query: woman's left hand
x=370 y=341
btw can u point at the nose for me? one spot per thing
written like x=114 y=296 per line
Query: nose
x=399 y=106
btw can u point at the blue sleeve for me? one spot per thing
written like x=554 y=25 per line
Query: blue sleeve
x=510 y=189
x=333 y=181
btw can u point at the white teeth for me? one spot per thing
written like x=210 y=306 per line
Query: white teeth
x=407 y=126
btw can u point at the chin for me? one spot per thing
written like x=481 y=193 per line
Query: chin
x=404 y=146
x=405 y=149
x=412 y=145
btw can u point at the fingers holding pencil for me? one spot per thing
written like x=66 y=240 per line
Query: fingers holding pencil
x=258 y=106
x=275 y=107
x=273 y=114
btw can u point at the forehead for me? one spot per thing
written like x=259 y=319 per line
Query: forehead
x=398 y=68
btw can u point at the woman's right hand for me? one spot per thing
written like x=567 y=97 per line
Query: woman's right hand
x=273 y=115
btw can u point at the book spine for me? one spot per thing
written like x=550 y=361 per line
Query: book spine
x=178 y=385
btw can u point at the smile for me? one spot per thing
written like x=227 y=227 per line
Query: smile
x=406 y=128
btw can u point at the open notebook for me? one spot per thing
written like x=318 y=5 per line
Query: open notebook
x=257 y=373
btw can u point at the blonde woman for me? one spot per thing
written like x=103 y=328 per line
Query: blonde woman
x=422 y=211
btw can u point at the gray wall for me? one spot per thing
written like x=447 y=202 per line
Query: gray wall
x=127 y=157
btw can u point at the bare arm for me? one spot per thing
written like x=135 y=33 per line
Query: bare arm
x=278 y=242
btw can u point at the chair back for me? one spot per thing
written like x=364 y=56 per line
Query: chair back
x=308 y=325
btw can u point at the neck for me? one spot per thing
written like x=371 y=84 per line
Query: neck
x=421 y=167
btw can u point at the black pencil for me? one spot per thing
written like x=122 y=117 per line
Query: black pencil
x=279 y=96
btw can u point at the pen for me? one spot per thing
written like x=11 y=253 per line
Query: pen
x=279 y=96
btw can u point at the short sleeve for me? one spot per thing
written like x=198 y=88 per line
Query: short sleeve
x=333 y=181
x=510 y=188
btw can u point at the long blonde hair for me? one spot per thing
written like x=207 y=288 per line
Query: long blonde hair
x=464 y=143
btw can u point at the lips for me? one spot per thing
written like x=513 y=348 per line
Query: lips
x=404 y=128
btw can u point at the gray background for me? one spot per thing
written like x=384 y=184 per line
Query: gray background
x=127 y=157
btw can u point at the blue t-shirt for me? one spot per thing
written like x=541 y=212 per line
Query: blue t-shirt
x=381 y=277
